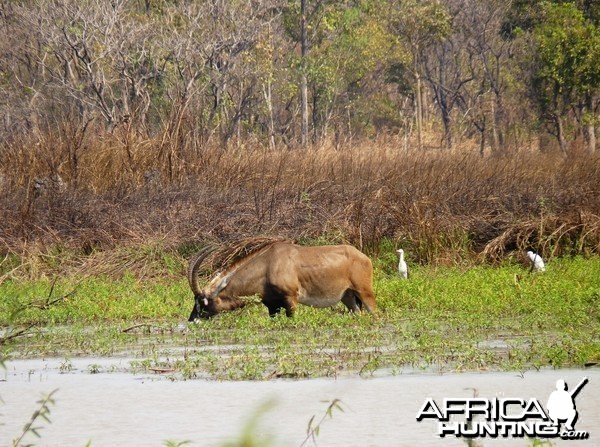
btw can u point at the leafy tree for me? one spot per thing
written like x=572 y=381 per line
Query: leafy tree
x=349 y=43
x=188 y=74
x=566 y=69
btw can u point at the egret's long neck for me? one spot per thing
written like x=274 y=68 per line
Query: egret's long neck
x=401 y=257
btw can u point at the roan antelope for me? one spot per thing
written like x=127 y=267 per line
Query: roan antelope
x=285 y=274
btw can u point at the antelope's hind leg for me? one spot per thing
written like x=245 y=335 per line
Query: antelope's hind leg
x=351 y=301
x=367 y=297
x=362 y=298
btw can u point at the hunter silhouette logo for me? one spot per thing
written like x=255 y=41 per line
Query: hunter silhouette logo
x=561 y=404
x=507 y=417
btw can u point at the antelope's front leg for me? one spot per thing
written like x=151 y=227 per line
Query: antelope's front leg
x=275 y=299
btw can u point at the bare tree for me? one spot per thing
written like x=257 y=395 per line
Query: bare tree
x=446 y=74
x=488 y=56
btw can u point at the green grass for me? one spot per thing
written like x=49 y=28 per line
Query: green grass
x=442 y=319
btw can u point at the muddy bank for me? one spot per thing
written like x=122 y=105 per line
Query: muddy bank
x=120 y=408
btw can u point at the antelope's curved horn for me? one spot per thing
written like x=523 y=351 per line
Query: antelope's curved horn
x=194 y=266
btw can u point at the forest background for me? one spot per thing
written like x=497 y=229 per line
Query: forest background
x=461 y=130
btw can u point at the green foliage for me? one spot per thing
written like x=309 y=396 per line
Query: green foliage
x=421 y=23
x=347 y=43
x=42 y=413
x=441 y=318
x=250 y=435
x=563 y=68
x=94 y=299
x=189 y=73
x=314 y=427
x=568 y=54
x=176 y=443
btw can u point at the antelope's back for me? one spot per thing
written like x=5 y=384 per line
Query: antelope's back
x=326 y=263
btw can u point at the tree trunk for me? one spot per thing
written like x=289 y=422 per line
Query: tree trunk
x=482 y=143
x=303 y=80
x=560 y=134
x=419 y=104
x=316 y=125
x=495 y=139
x=267 y=93
x=591 y=123
x=447 y=120
x=591 y=138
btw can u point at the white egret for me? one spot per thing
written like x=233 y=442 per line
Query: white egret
x=537 y=263
x=402 y=267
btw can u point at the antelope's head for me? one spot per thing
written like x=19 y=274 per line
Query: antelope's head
x=215 y=297
x=207 y=302
x=201 y=307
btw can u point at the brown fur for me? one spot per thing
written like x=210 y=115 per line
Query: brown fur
x=284 y=274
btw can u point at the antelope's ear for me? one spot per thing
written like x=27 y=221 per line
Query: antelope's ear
x=219 y=286
x=223 y=284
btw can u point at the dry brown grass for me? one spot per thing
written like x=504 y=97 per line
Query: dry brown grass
x=122 y=190
x=555 y=235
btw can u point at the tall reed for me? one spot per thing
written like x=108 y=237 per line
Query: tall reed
x=100 y=191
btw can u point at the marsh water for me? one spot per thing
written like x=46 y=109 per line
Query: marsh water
x=99 y=401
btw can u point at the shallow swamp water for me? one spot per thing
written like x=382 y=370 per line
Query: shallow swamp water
x=98 y=400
